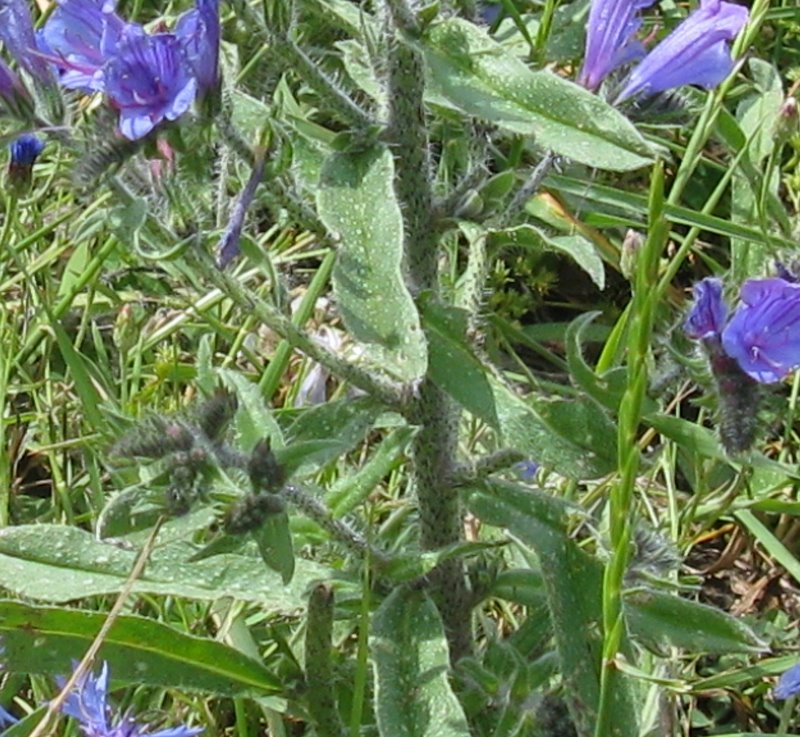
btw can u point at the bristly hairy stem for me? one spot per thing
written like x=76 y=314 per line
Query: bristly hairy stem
x=319 y=666
x=435 y=445
x=379 y=387
x=313 y=508
x=339 y=102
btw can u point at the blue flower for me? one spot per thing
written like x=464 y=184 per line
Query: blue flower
x=696 y=52
x=709 y=312
x=16 y=32
x=199 y=32
x=763 y=335
x=79 y=37
x=148 y=80
x=526 y=469
x=610 y=38
x=88 y=703
x=789 y=684
x=25 y=149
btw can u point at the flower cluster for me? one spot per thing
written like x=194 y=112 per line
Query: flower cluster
x=696 y=52
x=88 y=703
x=763 y=335
x=147 y=77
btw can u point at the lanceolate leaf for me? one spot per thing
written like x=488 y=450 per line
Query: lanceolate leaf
x=472 y=73
x=58 y=564
x=49 y=639
x=409 y=651
x=357 y=204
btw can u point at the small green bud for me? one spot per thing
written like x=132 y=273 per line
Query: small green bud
x=787 y=124
x=630 y=253
x=126 y=329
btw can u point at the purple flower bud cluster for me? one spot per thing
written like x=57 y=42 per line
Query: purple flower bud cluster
x=147 y=77
x=696 y=52
x=763 y=334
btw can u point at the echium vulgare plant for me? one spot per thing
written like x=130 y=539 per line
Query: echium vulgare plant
x=395 y=152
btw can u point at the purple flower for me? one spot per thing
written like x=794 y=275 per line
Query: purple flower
x=80 y=36
x=88 y=704
x=526 y=469
x=610 y=38
x=148 y=80
x=709 y=312
x=228 y=248
x=198 y=31
x=764 y=332
x=16 y=32
x=789 y=684
x=763 y=335
x=696 y=52
x=25 y=150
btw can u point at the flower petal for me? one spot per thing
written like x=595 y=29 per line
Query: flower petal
x=709 y=311
x=696 y=52
x=610 y=38
x=789 y=683
x=764 y=332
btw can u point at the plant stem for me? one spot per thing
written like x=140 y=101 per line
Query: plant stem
x=621 y=518
x=380 y=387
x=435 y=446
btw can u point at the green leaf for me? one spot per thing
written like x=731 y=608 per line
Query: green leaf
x=581 y=250
x=754 y=195
x=525 y=429
x=274 y=540
x=411 y=659
x=79 y=367
x=452 y=365
x=40 y=639
x=350 y=491
x=58 y=564
x=357 y=204
x=472 y=73
x=253 y=420
x=327 y=431
x=664 y=620
x=573 y=583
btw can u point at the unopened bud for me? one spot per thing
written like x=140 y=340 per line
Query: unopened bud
x=787 y=124
x=126 y=330
x=630 y=253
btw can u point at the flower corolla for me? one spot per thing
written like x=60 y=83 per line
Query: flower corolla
x=762 y=335
x=696 y=52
